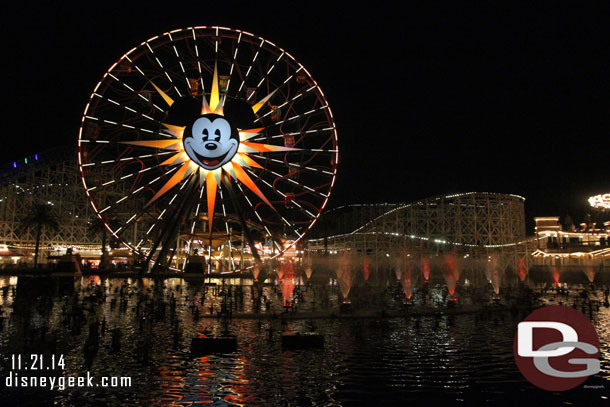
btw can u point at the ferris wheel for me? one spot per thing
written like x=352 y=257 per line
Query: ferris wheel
x=208 y=143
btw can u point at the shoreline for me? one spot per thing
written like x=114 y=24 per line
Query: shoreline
x=414 y=311
x=119 y=274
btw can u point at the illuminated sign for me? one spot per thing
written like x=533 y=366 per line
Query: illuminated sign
x=601 y=201
x=211 y=141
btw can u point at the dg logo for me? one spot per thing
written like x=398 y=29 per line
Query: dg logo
x=556 y=348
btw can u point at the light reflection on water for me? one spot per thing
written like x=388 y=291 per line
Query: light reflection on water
x=459 y=359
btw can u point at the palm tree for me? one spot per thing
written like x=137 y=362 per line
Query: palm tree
x=41 y=216
x=98 y=226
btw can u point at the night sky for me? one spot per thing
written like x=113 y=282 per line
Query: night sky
x=430 y=99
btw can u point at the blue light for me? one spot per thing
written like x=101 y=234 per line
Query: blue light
x=14 y=164
x=36 y=157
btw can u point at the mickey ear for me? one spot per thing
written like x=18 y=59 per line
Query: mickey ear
x=239 y=113
x=183 y=111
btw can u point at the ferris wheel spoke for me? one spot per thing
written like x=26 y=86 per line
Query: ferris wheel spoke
x=216 y=36
x=156 y=222
x=152 y=227
x=171 y=81
x=184 y=183
x=145 y=76
x=243 y=82
x=188 y=84
x=137 y=215
x=193 y=224
x=262 y=102
x=246 y=231
x=140 y=95
x=259 y=104
x=293 y=99
x=296 y=133
x=166 y=237
x=128 y=126
x=304 y=187
x=291 y=226
x=299 y=116
x=118 y=160
x=127 y=108
x=285 y=164
x=233 y=62
x=122 y=227
x=198 y=57
x=224 y=213
x=258 y=216
x=284 y=196
x=265 y=76
x=301 y=150
x=115 y=181
x=137 y=191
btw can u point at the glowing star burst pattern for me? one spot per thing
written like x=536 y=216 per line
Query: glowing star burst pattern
x=208 y=141
x=190 y=161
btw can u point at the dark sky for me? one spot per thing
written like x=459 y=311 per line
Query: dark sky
x=437 y=97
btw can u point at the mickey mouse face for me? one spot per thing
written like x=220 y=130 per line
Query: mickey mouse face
x=211 y=141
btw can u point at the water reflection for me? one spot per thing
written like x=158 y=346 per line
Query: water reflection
x=142 y=328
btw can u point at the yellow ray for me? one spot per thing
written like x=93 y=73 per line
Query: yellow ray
x=249 y=161
x=205 y=108
x=211 y=184
x=247 y=181
x=175 y=159
x=264 y=148
x=164 y=95
x=176 y=131
x=176 y=178
x=228 y=171
x=249 y=133
x=214 y=96
x=163 y=144
x=262 y=102
x=173 y=126
x=256 y=131
x=221 y=105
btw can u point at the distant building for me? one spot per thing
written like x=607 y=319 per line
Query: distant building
x=586 y=245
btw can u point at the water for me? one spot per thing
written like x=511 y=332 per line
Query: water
x=462 y=359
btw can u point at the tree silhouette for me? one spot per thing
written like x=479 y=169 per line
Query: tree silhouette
x=41 y=216
x=97 y=226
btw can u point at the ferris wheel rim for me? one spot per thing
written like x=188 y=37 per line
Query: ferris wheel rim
x=218 y=29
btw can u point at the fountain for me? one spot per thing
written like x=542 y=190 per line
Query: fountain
x=280 y=272
x=398 y=267
x=589 y=271
x=344 y=275
x=406 y=281
x=556 y=276
x=425 y=268
x=307 y=264
x=494 y=271
x=287 y=278
x=451 y=273
x=523 y=269
x=365 y=268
